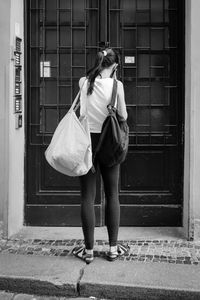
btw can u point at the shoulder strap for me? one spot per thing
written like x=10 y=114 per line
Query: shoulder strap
x=76 y=104
x=114 y=93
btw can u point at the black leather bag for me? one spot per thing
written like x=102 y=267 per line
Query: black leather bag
x=113 y=143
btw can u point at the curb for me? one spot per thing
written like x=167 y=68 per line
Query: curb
x=37 y=287
x=135 y=292
x=70 y=277
x=100 y=291
x=40 y=275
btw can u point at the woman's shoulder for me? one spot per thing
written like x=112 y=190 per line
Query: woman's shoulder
x=120 y=84
x=81 y=81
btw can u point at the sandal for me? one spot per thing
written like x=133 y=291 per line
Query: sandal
x=80 y=253
x=121 y=250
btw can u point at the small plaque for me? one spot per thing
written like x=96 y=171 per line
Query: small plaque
x=45 y=70
x=129 y=59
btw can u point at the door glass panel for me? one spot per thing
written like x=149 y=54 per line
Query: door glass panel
x=115 y=4
x=78 y=12
x=65 y=17
x=51 y=12
x=48 y=93
x=170 y=4
x=159 y=119
x=65 y=36
x=65 y=4
x=157 y=42
x=159 y=65
x=143 y=118
x=78 y=59
x=78 y=72
x=78 y=41
x=92 y=4
x=130 y=72
x=130 y=38
x=51 y=120
x=35 y=29
x=143 y=37
x=64 y=92
x=50 y=39
x=130 y=88
x=129 y=15
x=143 y=94
x=92 y=28
x=143 y=4
x=143 y=65
x=115 y=32
x=158 y=93
x=157 y=11
x=64 y=65
x=143 y=16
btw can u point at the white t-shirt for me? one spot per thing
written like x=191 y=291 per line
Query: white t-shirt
x=95 y=105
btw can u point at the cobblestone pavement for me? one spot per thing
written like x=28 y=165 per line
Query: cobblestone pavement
x=160 y=251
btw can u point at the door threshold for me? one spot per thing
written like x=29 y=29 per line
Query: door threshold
x=125 y=233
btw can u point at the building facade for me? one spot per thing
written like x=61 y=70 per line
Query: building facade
x=46 y=46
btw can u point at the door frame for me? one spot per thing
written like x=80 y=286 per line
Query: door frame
x=190 y=182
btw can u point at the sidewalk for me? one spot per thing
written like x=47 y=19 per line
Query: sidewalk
x=153 y=269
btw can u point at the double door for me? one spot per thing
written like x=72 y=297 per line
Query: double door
x=63 y=37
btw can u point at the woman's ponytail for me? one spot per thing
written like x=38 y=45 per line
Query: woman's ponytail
x=104 y=59
x=94 y=72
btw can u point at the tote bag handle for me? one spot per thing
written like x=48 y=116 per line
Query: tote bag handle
x=75 y=106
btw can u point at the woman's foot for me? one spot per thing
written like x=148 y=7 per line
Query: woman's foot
x=84 y=254
x=116 y=251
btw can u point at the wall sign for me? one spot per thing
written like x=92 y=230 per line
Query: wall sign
x=129 y=59
x=45 y=69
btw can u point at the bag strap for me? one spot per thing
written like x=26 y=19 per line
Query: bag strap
x=113 y=102
x=74 y=105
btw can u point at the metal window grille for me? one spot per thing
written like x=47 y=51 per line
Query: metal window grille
x=64 y=38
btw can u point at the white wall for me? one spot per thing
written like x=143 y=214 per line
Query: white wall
x=4 y=107
x=16 y=136
x=195 y=121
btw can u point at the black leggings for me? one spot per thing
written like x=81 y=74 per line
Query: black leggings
x=110 y=177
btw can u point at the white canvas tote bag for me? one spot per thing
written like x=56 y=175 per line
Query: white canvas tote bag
x=70 y=150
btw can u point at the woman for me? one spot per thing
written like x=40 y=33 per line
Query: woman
x=96 y=91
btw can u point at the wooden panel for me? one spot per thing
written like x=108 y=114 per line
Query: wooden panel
x=151 y=215
x=144 y=170
x=47 y=186
x=57 y=215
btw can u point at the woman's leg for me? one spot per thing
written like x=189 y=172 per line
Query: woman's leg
x=88 y=193
x=111 y=179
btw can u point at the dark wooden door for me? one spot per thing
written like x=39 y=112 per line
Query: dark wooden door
x=63 y=37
